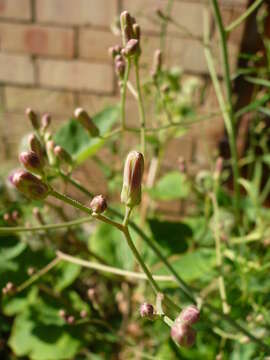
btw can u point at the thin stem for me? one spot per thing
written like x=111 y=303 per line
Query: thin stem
x=132 y=90
x=123 y=95
x=164 y=26
x=67 y=224
x=243 y=17
x=37 y=275
x=140 y=104
x=227 y=109
x=110 y=269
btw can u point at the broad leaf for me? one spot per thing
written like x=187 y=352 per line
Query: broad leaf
x=77 y=141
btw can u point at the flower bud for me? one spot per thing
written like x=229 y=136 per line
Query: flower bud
x=70 y=319
x=36 y=147
x=30 y=185
x=32 y=116
x=98 y=204
x=45 y=121
x=126 y=22
x=15 y=215
x=190 y=315
x=31 y=162
x=219 y=167
x=157 y=62
x=147 y=311
x=50 y=145
x=62 y=313
x=131 y=48
x=120 y=67
x=114 y=51
x=86 y=121
x=183 y=334
x=137 y=31
x=132 y=179
x=83 y=314
x=62 y=154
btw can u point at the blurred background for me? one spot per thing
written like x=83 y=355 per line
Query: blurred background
x=54 y=58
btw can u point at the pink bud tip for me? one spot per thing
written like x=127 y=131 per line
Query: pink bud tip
x=190 y=315
x=98 y=204
x=147 y=310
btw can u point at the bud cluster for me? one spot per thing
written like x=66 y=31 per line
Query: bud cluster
x=181 y=331
x=12 y=218
x=70 y=319
x=131 y=34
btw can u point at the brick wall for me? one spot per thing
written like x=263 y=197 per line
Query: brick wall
x=53 y=57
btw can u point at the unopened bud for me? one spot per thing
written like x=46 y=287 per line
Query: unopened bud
x=126 y=22
x=70 y=319
x=147 y=311
x=132 y=179
x=35 y=146
x=33 y=117
x=86 y=121
x=10 y=287
x=183 y=334
x=62 y=154
x=46 y=121
x=29 y=185
x=31 y=162
x=62 y=313
x=120 y=67
x=114 y=51
x=50 y=145
x=190 y=315
x=137 y=31
x=92 y=294
x=83 y=314
x=31 y=271
x=98 y=204
x=157 y=62
x=219 y=166
x=15 y=215
x=131 y=48
x=7 y=217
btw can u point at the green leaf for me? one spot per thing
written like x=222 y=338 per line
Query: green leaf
x=170 y=187
x=109 y=244
x=258 y=81
x=17 y=304
x=66 y=274
x=171 y=236
x=253 y=106
x=194 y=265
x=77 y=141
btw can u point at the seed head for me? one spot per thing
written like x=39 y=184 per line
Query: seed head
x=132 y=179
x=98 y=204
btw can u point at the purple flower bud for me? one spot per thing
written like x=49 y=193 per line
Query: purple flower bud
x=132 y=179
x=131 y=48
x=98 y=204
x=190 y=315
x=83 y=314
x=183 y=334
x=147 y=311
x=46 y=121
x=62 y=154
x=114 y=51
x=36 y=147
x=30 y=185
x=31 y=162
x=32 y=116
x=70 y=319
x=120 y=67
x=86 y=121
x=126 y=22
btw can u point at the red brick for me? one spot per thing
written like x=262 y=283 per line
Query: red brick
x=79 y=12
x=37 y=40
x=76 y=75
x=55 y=102
x=16 y=69
x=15 y=9
x=94 y=44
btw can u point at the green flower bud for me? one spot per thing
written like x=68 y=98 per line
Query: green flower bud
x=85 y=120
x=30 y=185
x=132 y=180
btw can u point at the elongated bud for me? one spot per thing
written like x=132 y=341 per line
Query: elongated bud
x=30 y=185
x=132 y=179
x=183 y=334
x=32 y=116
x=157 y=62
x=50 y=145
x=62 y=154
x=131 y=48
x=126 y=22
x=190 y=315
x=147 y=311
x=86 y=121
x=31 y=162
x=46 y=121
x=219 y=167
x=36 y=147
x=114 y=51
x=120 y=67
x=137 y=31
x=98 y=204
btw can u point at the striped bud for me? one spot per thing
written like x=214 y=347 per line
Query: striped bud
x=30 y=185
x=132 y=179
x=86 y=121
x=36 y=147
x=32 y=116
x=31 y=162
x=98 y=204
x=183 y=334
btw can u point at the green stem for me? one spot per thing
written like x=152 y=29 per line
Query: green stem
x=226 y=108
x=243 y=17
x=124 y=94
x=37 y=275
x=140 y=104
x=67 y=224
